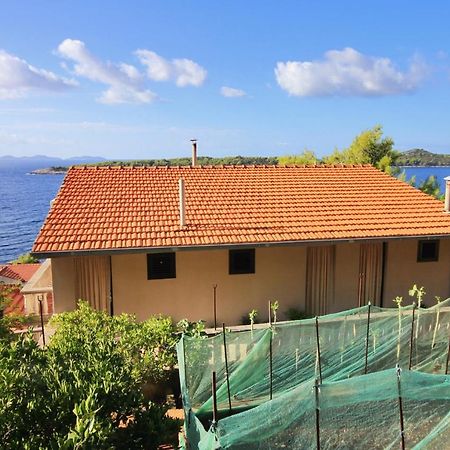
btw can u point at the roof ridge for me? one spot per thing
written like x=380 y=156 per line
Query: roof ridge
x=222 y=166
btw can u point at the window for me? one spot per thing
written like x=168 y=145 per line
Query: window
x=160 y=266
x=242 y=261
x=428 y=251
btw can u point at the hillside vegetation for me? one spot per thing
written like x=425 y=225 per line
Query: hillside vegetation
x=421 y=157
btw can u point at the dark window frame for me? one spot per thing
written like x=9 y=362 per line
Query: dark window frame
x=241 y=261
x=420 y=251
x=163 y=258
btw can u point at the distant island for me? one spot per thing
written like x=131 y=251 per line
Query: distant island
x=416 y=157
x=202 y=160
x=421 y=157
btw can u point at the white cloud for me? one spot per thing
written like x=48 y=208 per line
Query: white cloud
x=348 y=72
x=18 y=78
x=232 y=92
x=124 y=81
x=184 y=72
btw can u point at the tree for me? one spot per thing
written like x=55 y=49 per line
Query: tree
x=369 y=147
x=431 y=187
x=305 y=157
x=26 y=258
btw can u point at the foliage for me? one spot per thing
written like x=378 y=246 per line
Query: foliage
x=419 y=293
x=306 y=157
x=26 y=258
x=421 y=157
x=274 y=308
x=252 y=316
x=193 y=329
x=431 y=187
x=5 y=298
x=369 y=147
x=84 y=389
x=295 y=314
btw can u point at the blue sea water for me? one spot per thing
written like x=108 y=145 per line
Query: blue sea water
x=25 y=201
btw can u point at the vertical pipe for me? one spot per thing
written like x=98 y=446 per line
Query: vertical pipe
x=383 y=272
x=367 y=338
x=411 y=339
x=111 y=292
x=42 y=319
x=318 y=349
x=226 y=366
x=400 y=408
x=448 y=357
x=270 y=367
x=194 y=152
x=184 y=360
x=214 y=396
x=215 y=306
x=447 y=195
x=316 y=396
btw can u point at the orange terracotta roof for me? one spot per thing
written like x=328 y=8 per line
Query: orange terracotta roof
x=138 y=207
x=19 y=272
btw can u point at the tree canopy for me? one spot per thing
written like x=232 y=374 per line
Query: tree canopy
x=368 y=147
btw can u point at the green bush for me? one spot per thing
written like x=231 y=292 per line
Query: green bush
x=84 y=389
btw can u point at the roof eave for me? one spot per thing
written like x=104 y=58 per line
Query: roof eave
x=304 y=242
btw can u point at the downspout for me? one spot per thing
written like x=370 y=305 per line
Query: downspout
x=383 y=272
x=111 y=295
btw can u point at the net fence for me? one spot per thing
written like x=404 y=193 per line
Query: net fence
x=263 y=374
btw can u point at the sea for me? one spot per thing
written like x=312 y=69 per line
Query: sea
x=25 y=201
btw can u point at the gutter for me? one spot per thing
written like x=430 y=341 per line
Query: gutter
x=171 y=248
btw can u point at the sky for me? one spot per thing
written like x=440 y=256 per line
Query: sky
x=139 y=79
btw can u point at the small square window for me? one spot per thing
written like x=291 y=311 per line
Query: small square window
x=242 y=261
x=160 y=266
x=428 y=251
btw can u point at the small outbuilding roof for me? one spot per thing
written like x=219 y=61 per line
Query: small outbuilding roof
x=136 y=208
x=18 y=272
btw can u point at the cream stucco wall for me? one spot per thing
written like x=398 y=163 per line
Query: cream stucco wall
x=63 y=274
x=403 y=270
x=280 y=275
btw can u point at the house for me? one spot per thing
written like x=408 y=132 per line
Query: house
x=39 y=288
x=17 y=277
x=179 y=240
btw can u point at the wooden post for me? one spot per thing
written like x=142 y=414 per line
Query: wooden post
x=215 y=306
x=411 y=339
x=226 y=366
x=318 y=349
x=214 y=396
x=316 y=396
x=400 y=408
x=41 y=313
x=270 y=367
x=367 y=337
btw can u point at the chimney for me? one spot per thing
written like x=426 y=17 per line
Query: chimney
x=194 y=152
x=447 y=194
x=182 y=203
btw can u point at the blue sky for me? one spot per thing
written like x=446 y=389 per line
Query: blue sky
x=138 y=79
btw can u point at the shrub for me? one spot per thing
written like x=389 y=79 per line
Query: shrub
x=295 y=314
x=84 y=389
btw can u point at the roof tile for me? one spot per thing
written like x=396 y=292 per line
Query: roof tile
x=112 y=208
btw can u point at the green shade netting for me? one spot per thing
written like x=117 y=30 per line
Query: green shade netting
x=295 y=364
x=362 y=412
